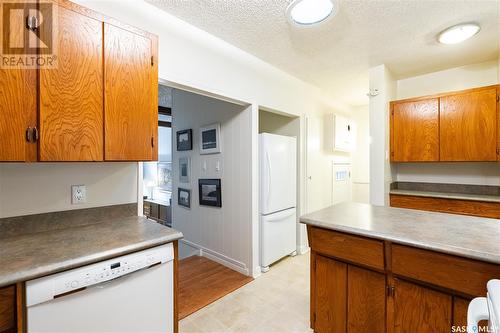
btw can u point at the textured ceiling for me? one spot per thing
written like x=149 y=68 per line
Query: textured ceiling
x=336 y=55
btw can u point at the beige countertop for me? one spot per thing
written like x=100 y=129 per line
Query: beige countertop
x=465 y=236
x=459 y=196
x=28 y=256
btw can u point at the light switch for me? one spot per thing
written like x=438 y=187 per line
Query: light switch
x=217 y=166
x=204 y=166
x=78 y=194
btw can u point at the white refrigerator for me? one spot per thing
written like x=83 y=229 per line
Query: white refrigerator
x=278 y=197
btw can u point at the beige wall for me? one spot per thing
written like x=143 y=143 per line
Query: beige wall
x=465 y=77
x=33 y=188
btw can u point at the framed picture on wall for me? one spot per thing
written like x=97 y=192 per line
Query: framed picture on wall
x=210 y=192
x=184 y=197
x=184 y=140
x=210 y=139
x=184 y=169
x=164 y=175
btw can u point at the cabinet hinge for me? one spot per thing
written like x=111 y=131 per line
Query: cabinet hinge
x=152 y=61
x=391 y=291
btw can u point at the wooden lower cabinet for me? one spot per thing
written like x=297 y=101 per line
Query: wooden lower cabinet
x=416 y=291
x=348 y=298
x=365 y=301
x=8 y=310
x=418 y=309
x=331 y=295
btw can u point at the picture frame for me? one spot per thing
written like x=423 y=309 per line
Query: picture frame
x=184 y=140
x=184 y=197
x=210 y=142
x=164 y=174
x=210 y=193
x=184 y=169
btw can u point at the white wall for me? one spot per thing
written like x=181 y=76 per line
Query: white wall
x=361 y=155
x=470 y=76
x=460 y=78
x=33 y=188
x=474 y=173
x=381 y=174
x=224 y=234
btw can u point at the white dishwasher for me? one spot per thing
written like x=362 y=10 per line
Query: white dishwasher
x=132 y=293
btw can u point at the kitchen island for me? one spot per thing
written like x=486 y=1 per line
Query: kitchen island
x=383 y=269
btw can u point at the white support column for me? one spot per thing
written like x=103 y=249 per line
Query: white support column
x=381 y=175
x=255 y=230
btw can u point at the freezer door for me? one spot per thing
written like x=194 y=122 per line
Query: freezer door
x=278 y=172
x=278 y=235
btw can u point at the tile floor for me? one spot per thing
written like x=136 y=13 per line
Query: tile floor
x=277 y=301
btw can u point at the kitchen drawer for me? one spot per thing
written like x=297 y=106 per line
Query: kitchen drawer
x=360 y=250
x=456 y=273
x=8 y=309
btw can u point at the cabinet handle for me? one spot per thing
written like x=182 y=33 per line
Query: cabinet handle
x=29 y=134
x=153 y=141
x=36 y=134
x=391 y=291
x=32 y=23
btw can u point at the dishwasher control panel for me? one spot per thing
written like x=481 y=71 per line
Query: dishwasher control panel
x=59 y=284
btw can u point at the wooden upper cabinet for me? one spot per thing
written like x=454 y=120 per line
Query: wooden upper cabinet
x=17 y=105
x=129 y=72
x=415 y=131
x=418 y=309
x=498 y=123
x=468 y=126
x=71 y=95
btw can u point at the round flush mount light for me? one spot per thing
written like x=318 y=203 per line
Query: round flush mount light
x=458 y=33
x=309 y=12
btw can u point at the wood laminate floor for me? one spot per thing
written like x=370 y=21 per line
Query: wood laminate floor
x=203 y=281
x=275 y=302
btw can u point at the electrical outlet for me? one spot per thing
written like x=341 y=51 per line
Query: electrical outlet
x=78 y=194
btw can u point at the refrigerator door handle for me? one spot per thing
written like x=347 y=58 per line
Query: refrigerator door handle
x=281 y=216
x=269 y=178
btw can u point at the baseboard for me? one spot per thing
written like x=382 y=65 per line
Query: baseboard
x=303 y=249
x=235 y=265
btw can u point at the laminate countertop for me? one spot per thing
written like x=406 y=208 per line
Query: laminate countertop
x=465 y=236
x=27 y=256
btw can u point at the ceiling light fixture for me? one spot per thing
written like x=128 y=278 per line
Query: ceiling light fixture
x=309 y=12
x=458 y=33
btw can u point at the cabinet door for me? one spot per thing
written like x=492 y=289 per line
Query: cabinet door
x=8 y=309
x=468 y=126
x=366 y=301
x=460 y=307
x=415 y=131
x=331 y=295
x=71 y=95
x=17 y=105
x=128 y=73
x=418 y=309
